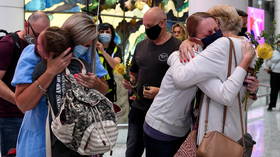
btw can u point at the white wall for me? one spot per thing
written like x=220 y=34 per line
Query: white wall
x=11 y=15
x=204 y=5
x=277 y=17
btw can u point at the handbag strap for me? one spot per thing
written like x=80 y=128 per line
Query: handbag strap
x=239 y=102
x=83 y=68
x=231 y=52
x=241 y=121
x=198 y=103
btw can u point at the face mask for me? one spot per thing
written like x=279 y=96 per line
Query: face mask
x=211 y=38
x=153 y=32
x=29 y=39
x=80 y=50
x=243 y=31
x=105 y=38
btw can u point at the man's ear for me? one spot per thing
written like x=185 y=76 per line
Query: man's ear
x=25 y=25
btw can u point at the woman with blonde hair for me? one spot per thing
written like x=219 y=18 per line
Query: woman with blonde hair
x=169 y=118
x=179 y=31
x=213 y=63
x=82 y=32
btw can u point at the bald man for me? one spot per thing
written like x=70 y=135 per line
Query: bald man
x=11 y=47
x=149 y=65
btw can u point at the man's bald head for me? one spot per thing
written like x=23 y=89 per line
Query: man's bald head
x=38 y=15
x=153 y=16
x=154 y=21
x=36 y=23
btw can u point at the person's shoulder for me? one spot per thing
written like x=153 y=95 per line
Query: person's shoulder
x=174 y=57
x=220 y=43
x=222 y=40
x=174 y=42
x=145 y=41
x=142 y=44
x=29 y=50
x=6 y=41
x=29 y=54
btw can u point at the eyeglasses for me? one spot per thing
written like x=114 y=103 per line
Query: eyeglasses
x=34 y=33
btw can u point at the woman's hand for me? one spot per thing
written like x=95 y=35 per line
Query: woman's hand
x=187 y=50
x=89 y=80
x=58 y=64
x=248 y=54
x=252 y=84
x=100 y=46
x=92 y=81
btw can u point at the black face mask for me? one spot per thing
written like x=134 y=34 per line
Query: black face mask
x=153 y=32
x=243 y=31
x=211 y=38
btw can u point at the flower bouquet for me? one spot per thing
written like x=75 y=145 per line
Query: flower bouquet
x=123 y=70
x=264 y=52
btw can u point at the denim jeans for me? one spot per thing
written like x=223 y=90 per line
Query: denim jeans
x=156 y=148
x=9 y=128
x=135 y=141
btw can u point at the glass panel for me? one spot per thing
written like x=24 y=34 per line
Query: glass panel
x=124 y=15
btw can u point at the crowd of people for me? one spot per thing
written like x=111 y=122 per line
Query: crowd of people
x=173 y=73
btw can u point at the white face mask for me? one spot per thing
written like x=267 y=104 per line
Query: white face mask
x=105 y=38
x=80 y=50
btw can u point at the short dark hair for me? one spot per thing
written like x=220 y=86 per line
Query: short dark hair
x=241 y=13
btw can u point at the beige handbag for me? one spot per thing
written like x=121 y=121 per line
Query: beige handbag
x=214 y=143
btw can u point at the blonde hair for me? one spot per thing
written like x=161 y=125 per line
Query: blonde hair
x=183 y=28
x=81 y=27
x=228 y=18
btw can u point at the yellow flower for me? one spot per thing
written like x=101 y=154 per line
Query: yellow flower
x=120 y=69
x=265 y=51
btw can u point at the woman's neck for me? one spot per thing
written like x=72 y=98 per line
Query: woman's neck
x=106 y=45
x=231 y=34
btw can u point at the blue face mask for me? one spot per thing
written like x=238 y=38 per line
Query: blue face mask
x=80 y=50
x=104 y=38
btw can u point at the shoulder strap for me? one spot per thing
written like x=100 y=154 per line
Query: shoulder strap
x=16 y=40
x=231 y=52
x=84 y=71
x=3 y=31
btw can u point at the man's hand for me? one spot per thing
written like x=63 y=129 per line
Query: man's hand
x=149 y=92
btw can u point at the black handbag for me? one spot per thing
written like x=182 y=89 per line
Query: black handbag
x=249 y=144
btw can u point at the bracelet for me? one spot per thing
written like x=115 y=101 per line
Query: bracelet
x=40 y=87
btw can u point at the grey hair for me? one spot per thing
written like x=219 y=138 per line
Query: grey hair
x=81 y=27
x=38 y=15
x=228 y=18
